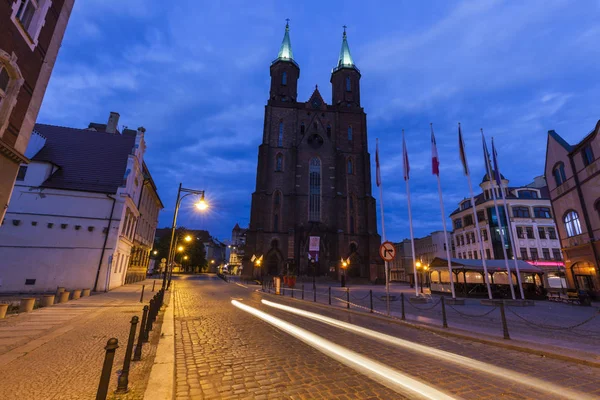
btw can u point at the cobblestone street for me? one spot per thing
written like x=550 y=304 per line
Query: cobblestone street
x=225 y=352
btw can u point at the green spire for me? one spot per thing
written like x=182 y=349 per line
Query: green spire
x=345 y=59
x=285 y=52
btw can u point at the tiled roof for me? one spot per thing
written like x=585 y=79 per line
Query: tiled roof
x=88 y=160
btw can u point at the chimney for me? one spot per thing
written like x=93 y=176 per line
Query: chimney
x=113 y=121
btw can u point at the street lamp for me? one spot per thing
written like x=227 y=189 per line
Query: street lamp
x=155 y=252
x=188 y=238
x=201 y=205
x=180 y=248
x=345 y=264
x=418 y=266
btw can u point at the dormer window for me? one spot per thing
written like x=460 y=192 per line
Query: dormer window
x=465 y=204
x=284 y=78
x=348 y=84
x=528 y=194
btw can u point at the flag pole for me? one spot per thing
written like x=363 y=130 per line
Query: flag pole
x=412 y=237
x=502 y=234
x=486 y=277
x=378 y=181
x=444 y=221
x=508 y=223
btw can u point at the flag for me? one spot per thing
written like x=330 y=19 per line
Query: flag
x=405 y=158
x=486 y=156
x=435 y=162
x=496 y=169
x=378 y=171
x=461 y=147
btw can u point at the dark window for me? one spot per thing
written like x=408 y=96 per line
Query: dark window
x=22 y=172
x=30 y=281
x=475 y=256
x=314 y=190
x=457 y=223
x=284 y=78
x=464 y=254
x=480 y=216
x=280 y=136
x=484 y=234
x=4 y=79
x=597 y=207
x=328 y=130
x=546 y=253
x=462 y=240
x=529 y=230
x=473 y=237
x=350 y=167
x=488 y=254
x=524 y=253
x=351 y=225
x=520 y=234
x=528 y=194
x=348 y=84
x=521 y=212
x=542 y=212
x=350 y=133
x=468 y=220
x=277 y=199
x=302 y=128
x=279 y=162
x=276 y=222
x=588 y=155
x=541 y=232
x=556 y=254
x=572 y=224
x=26 y=12
x=465 y=205
x=552 y=233
x=468 y=239
x=470 y=255
x=559 y=173
x=534 y=254
x=351 y=200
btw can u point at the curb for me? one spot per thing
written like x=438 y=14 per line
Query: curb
x=162 y=375
x=518 y=345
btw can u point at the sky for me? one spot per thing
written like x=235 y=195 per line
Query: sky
x=196 y=76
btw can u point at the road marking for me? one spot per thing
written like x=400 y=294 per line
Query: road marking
x=463 y=361
x=391 y=378
x=239 y=284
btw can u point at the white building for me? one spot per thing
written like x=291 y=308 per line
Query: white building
x=73 y=212
x=236 y=249
x=531 y=221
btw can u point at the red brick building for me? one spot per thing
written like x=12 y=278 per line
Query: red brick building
x=31 y=32
x=313 y=178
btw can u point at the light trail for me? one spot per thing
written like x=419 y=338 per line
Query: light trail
x=466 y=362
x=391 y=378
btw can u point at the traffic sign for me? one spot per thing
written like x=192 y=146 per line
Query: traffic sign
x=387 y=251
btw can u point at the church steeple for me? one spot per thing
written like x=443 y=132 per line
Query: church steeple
x=285 y=52
x=345 y=59
x=284 y=71
x=345 y=78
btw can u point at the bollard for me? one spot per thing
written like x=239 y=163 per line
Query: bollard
x=142 y=296
x=283 y=291
x=314 y=294
x=123 y=380
x=64 y=297
x=348 y=297
x=149 y=322
x=504 y=324
x=153 y=284
x=111 y=346
x=303 y=291
x=371 y=298
x=329 y=295
x=292 y=292
x=402 y=299
x=444 y=320
x=143 y=334
x=85 y=292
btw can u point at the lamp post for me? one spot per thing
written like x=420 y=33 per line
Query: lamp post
x=345 y=264
x=418 y=266
x=201 y=205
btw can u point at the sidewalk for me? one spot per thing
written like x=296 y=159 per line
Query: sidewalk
x=57 y=352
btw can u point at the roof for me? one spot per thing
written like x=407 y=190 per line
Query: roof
x=285 y=51
x=88 y=160
x=477 y=265
x=486 y=178
x=148 y=178
x=345 y=59
x=560 y=140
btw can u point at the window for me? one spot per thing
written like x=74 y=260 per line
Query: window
x=588 y=155
x=468 y=239
x=528 y=194
x=462 y=240
x=26 y=12
x=464 y=254
x=314 y=203
x=552 y=233
x=520 y=234
x=597 y=207
x=351 y=201
x=352 y=225
x=29 y=16
x=556 y=254
x=350 y=167
x=488 y=254
x=480 y=216
x=534 y=254
x=277 y=198
x=350 y=133
x=470 y=255
x=22 y=172
x=457 y=223
x=465 y=205
x=348 y=84
x=546 y=253
x=280 y=136
x=302 y=128
x=484 y=234
x=475 y=256
x=524 y=255
x=279 y=162
x=4 y=80
x=468 y=220
x=541 y=232
x=284 y=78
x=572 y=225
x=276 y=222
x=521 y=212
x=473 y=237
x=328 y=130
x=529 y=230
x=559 y=174
x=542 y=212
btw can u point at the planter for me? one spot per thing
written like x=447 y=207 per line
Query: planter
x=285 y=280
x=26 y=304
x=59 y=291
x=76 y=294
x=3 y=309
x=85 y=292
x=291 y=281
x=47 y=300
x=64 y=297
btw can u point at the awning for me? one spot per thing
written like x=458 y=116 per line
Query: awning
x=477 y=265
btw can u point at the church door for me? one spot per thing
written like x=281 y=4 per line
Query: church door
x=273 y=265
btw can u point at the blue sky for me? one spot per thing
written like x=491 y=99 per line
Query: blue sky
x=196 y=75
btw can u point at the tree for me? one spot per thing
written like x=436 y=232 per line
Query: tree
x=193 y=249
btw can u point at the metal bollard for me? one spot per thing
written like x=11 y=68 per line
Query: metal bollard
x=444 y=320
x=348 y=297
x=314 y=294
x=371 y=298
x=141 y=337
x=111 y=346
x=402 y=299
x=142 y=295
x=283 y=291
x=504 y=324
x=150 y=320
x=329 y=295
x=123 y=380
x=292 y=289
x=153 y=285
x=303 y=291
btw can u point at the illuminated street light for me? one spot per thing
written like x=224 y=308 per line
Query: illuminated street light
x=212 y=261
x=185 y=257
x=202 y=204
x=188 y=238
x=180 y=248
x=155 y=252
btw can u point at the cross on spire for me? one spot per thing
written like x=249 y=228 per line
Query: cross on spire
x=344 y=26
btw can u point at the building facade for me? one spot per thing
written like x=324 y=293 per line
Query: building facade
x=313 y=178
x=573 y=173
x=531 y=221
x=74 y=212
x=31 y=33
x=236 y=249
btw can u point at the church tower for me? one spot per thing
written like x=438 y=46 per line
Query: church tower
x=313 y=178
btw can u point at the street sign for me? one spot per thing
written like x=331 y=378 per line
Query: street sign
x=387 y=251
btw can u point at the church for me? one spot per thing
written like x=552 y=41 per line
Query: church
x=313 y=179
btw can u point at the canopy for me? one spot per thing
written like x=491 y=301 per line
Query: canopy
x=477 y=265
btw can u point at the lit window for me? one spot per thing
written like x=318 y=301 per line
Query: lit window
x=559 y=174
x=279 y=162
x=588 y=155
x=350 y=133
x=314 y=204
x=348 y=84
x=350 y=167
x=284 y=78
x=280 y=136
x=572 y=224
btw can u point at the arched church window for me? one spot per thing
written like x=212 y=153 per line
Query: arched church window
x=279 y=162
x=348 y=84
x=350 y=133
x=276 y=222
x=280 y=136
x=350 y=167
x=352 y=224
x=314 y=204
x=284 y=78
x=277 y=198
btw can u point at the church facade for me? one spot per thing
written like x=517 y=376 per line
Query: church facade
x=313 y=179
